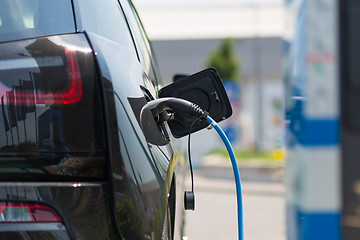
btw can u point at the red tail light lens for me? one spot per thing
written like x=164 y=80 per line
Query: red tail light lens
x=70 y=94
x=26 y=213
x=51 y=109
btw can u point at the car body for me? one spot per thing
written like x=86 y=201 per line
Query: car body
x=74 y=161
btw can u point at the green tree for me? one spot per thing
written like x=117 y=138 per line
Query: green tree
x=225 y=61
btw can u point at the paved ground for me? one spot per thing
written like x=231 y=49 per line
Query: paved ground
x=215 y=211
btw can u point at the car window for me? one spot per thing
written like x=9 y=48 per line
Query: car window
x=34 y=18
x=143 y=46
x=105 y=18
x=138 y=33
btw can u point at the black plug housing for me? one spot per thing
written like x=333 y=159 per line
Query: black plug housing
x=189 y=200
x=206 y=90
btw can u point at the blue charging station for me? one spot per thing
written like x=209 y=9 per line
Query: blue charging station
x=313 y=161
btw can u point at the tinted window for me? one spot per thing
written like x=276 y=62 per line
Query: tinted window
x=50 y=117
x=33 y=18
x=105 y=18
x=143 y=46
x=142 y=43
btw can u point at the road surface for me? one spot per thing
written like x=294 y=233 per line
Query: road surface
x=215 y=209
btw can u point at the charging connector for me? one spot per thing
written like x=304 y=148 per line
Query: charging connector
x=178 y=105
x=191 y=110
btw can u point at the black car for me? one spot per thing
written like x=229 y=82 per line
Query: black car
x=75 y=162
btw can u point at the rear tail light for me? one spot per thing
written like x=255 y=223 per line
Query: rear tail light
x=50 y=108
x=41 y=91
x=27 y=213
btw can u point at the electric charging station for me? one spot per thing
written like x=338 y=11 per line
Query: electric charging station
x=313 y=161
x=322 y=83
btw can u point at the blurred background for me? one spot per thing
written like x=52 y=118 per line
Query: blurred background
x=242 y=39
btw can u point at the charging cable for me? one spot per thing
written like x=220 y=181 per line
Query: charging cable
x=236 y=174
x=192 y=110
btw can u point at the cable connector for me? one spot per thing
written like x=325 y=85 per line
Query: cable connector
x=177 y=105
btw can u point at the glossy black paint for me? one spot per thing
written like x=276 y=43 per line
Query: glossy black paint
x=84 y=207
x=145 y=168
x=136 y=188
x=141 y=174
x=37 y=131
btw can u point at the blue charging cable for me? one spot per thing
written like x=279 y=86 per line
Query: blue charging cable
x=194 y=111
x=236 y=174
